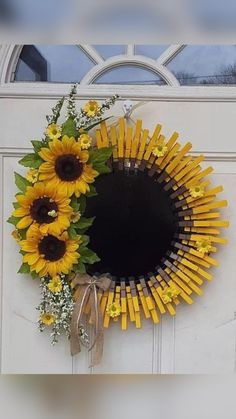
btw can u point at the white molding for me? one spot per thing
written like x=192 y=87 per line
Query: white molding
x=1 y=257
x=169 y=54
x=130 y=50
x=92 y=53
x=136 y=92
x=9 y=61
x=117 y=60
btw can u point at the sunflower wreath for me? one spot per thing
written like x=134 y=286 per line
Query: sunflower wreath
x=171 y=250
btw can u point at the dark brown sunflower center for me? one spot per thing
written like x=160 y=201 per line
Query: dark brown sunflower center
x=52 y=248
x=43 y=210
x=68 y=167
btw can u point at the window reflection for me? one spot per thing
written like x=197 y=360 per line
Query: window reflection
x=129 y=74
x=205 y=65
x=151 y=51
x=53 y=63
x=107 y=51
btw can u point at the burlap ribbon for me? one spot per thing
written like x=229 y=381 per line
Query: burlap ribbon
x=89 y=286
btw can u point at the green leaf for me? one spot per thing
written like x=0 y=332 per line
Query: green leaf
x=102 y=168
x=69 y=128
x=82 y=203
x=24 y=269
x=34 y=275
x=37 y=145
x=84 y=222
x=21 y=182
x=100 y=155
x=31 y=160
x=92 y=191
x=85 y=240
x=80 y=267
x=74 y=203
x=16 y=205
x=23 y=233
x=13 y=220
x=88 y=256
x=72 y=232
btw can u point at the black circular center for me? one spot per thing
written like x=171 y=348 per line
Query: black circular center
x=134 y=224
x=52 y=248
x=40 y=210
x=68 y=167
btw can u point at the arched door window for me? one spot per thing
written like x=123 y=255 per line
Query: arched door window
x=128 y=64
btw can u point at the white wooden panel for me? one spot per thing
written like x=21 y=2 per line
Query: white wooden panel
x=24 y=349
x=127 y=352
x=201 y=339
x=208 y=125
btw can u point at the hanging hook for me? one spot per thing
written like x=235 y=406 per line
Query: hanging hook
x=127 y=108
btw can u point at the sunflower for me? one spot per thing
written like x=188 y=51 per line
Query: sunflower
x=44 y=206
x=197 y=191
x=204 y=246
x=75 y=217
x=66 y=168
x=55 y=284
x=113 y=310
x=85 y=141
x=32 y=175
x=53 y=131
x=159 y=150
x=47 y=319
x=49 y=254
x=91 y=108
x=169 y=294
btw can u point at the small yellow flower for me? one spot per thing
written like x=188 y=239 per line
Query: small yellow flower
x=113 y=310
x=169 y=294
x=55 y=284
x=16 y=235
x=48 y=319
x=32 y=175
x=159 y=150
x=85 y=141
x=75 y=216
x=204 y=246
x=197 y=191
x=91 y=108
x=53 y=131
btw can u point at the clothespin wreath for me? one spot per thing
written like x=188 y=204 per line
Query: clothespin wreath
x=50 y=222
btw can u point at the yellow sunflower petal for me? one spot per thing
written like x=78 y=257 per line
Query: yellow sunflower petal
x=52 y=268
x=28 y=246
x=20 y=212
x=23 y=200
x=82 y=186
x=39 y=265
x=31 y=258
x=68 y=144
x=46 y=154
x=46 y=167
x=56 y=147
x=24 y=222
x=33 y=232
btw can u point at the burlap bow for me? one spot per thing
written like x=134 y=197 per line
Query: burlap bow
x=88 y=293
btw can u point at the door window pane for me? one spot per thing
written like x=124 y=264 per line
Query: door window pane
x=107 y=51
x=205 y=65
x=151 y=51
x=53 y=63
x=129 y=74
